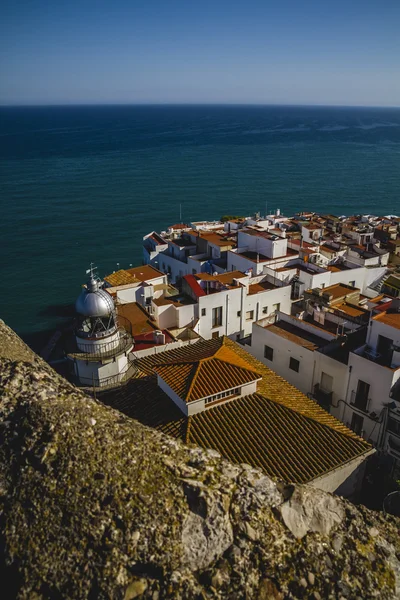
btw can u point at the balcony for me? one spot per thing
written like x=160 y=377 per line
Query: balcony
x=323 y=398
x=97 y=385
x=360 y=401
x=105 y=350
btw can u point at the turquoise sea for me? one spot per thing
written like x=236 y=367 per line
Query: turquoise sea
x=82 y=184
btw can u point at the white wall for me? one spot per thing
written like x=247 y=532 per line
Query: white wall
x=380 y=380
x=174 y=397
x=346 y=480
x=340 y=374
x=160 y=348
x=273 y=248
x=165 y=315
x=357 y=275
x=235 y=262
x=378 y=328
x=93 y=372
x=283 y=350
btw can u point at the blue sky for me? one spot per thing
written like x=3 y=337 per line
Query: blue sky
x=158 y=51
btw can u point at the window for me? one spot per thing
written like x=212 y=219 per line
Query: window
x=239 y=313
x=215 y=335
x=221 y=395
x=276 y=306
x=294 y=364
x=269 y=353
x=357 y=422
x=352 y=283
x=360 y=397
x=203 y=312
x=322 y=286
x=217 y=316
x=194 y=271
x=265 y=310
x=326 y=382
x=250 y=315
x=233 y=268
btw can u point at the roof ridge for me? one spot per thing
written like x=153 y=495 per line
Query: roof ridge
x=196 y=368
x=227 y=362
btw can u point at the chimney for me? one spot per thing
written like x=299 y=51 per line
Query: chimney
x=159 y=337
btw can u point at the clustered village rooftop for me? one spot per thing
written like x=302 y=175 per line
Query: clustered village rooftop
x=274 y=340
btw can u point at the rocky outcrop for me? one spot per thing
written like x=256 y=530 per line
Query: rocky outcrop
x=94 y=505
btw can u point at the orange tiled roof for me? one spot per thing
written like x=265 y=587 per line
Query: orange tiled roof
x=145 y=272
x=121 y=277
x=273 y=437
x=388 y=318
x=192 y=380
x=278 y=429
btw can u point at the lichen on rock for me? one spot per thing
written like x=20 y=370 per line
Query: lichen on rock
x=94 y=505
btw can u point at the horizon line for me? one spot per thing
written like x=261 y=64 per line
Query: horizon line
x=191 y=104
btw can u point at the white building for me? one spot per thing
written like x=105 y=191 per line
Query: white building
x=226 y=304
x=353 y=372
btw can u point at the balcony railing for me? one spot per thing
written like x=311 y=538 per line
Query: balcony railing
x=105 y=350
x=360 y=401
x=102 y=384
x=322 y=397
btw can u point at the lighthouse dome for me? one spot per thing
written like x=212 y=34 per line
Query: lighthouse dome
x=94 y=302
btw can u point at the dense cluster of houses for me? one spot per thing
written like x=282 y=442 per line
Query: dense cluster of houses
x=312 y=300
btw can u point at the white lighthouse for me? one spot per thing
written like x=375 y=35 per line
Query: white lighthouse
x=103 y=340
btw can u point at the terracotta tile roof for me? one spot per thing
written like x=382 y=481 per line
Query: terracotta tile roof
x=279 y=440
x=352 y=311
x=121 y=277
x=263 y=286
x=179 y=226
x=145 y=272
x=194 y=286
x=388 y=318
x=137 y=316
x=208 y=376
x=278 y=429
x=228 y=277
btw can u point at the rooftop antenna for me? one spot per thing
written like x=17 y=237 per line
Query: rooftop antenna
x=91 y=270
x=266 y=208
x=180 y=213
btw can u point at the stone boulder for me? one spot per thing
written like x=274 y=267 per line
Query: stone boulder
x=96 y=506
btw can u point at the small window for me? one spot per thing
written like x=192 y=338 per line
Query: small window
x=215 y=335
x=322 y=286
x=352 y=283
x=250 y=315
x=276 y=306
x=233 y=268
x=269 y=353
x=294 y=364
x=217 y=316
x=239 y=313
x=203 y=312
x=265 y=310
x=194 y=271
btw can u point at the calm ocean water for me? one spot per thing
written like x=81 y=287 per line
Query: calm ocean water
x=82 y=184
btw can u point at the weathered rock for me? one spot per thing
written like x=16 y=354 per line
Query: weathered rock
x=311 y=510
x=95 y=506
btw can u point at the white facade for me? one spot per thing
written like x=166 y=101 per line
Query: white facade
x=269 y=245
x=238 y=310
x=284 y=349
